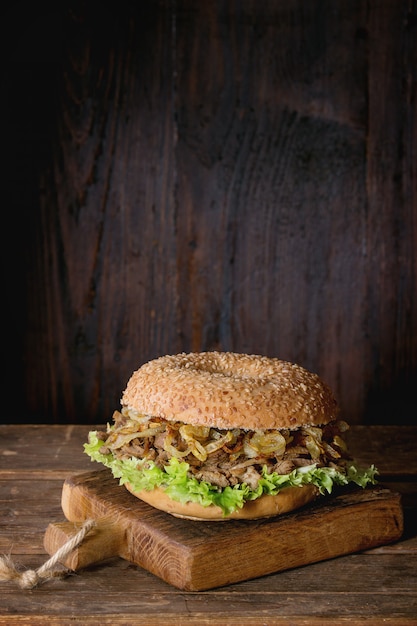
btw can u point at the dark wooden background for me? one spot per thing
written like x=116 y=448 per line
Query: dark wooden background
x=218 y=174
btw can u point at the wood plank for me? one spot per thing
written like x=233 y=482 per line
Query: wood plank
x=342 y=575
x=391 y=229
x=256 y=118
x=374 y=586
x=103 y=156
x=185 y=617
x=195 y=555
x=27 y=507
x=344 y=591
x=238 y=175
x=195 y=613
x=43 y=451
x=391 y=448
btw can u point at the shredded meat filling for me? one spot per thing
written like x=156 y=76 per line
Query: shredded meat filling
x=224 y=457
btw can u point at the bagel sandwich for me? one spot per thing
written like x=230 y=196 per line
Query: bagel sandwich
x=222 y=435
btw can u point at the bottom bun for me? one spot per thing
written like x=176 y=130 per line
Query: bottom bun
x=287 y=500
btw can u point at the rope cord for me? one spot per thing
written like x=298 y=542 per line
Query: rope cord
x=30 y=578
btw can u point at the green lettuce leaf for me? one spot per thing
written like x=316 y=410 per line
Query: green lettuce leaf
x=145 y=475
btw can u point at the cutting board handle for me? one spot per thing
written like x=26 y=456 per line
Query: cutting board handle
x=102 y=542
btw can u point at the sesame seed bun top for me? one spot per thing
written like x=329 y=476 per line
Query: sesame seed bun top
x=229 y=390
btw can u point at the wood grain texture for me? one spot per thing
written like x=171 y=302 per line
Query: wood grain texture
x=373 y=587
x=392 y=208
x=217 y=175
x=201 y=555
x=120 y=593
x=137 y=596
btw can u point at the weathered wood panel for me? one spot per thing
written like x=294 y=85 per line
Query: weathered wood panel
x=374 y=587
x=391 y=210
x=218 y=175
x=273 y=144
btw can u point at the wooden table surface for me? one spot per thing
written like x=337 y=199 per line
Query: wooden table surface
x=378 y=586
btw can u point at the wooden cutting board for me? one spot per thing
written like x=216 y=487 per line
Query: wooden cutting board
x=197 y=555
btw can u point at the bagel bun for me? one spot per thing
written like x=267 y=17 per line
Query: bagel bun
x=287 y=500
x=230 y=390
x=222 y=435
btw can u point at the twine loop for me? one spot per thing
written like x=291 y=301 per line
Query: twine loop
x=28 y=579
